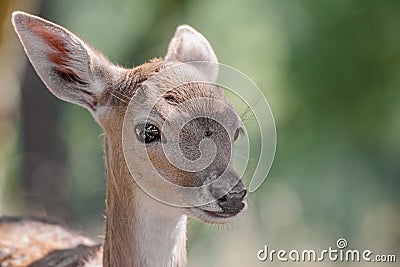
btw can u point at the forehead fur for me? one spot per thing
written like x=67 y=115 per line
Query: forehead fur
x=188 y=91
x=120 y=92
x=194 y=100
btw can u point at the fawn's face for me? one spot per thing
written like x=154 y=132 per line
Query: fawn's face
x=185 y=135
x=176 y=122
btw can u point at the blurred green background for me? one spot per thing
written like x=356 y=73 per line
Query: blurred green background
x=329 y=69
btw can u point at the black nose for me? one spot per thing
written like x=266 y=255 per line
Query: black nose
x=232 y=202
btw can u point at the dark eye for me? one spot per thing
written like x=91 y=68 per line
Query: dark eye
x=147 y=133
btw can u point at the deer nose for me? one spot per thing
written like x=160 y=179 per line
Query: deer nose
x=233 y=201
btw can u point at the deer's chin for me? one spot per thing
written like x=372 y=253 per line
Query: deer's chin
x=213 y=217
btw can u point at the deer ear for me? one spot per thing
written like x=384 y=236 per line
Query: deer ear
x=188 y=45
x=70 y=68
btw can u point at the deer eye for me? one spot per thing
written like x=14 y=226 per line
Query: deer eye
x=147 y=133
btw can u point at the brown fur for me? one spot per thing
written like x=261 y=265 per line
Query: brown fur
x=78 y=256
x=25 y=240
x=119 y=93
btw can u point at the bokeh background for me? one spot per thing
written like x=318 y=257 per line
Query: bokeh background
x=329 y=69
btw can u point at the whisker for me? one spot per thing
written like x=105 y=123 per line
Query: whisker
x=117 y=97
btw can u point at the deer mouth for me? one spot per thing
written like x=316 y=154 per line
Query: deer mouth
x=221 y=214
x=217 y=217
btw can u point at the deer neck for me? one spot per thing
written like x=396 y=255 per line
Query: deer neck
x=140 y=231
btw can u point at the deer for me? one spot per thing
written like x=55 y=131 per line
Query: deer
x=140 y=230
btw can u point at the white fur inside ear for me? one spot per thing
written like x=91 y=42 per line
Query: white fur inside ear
x=188 y=45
